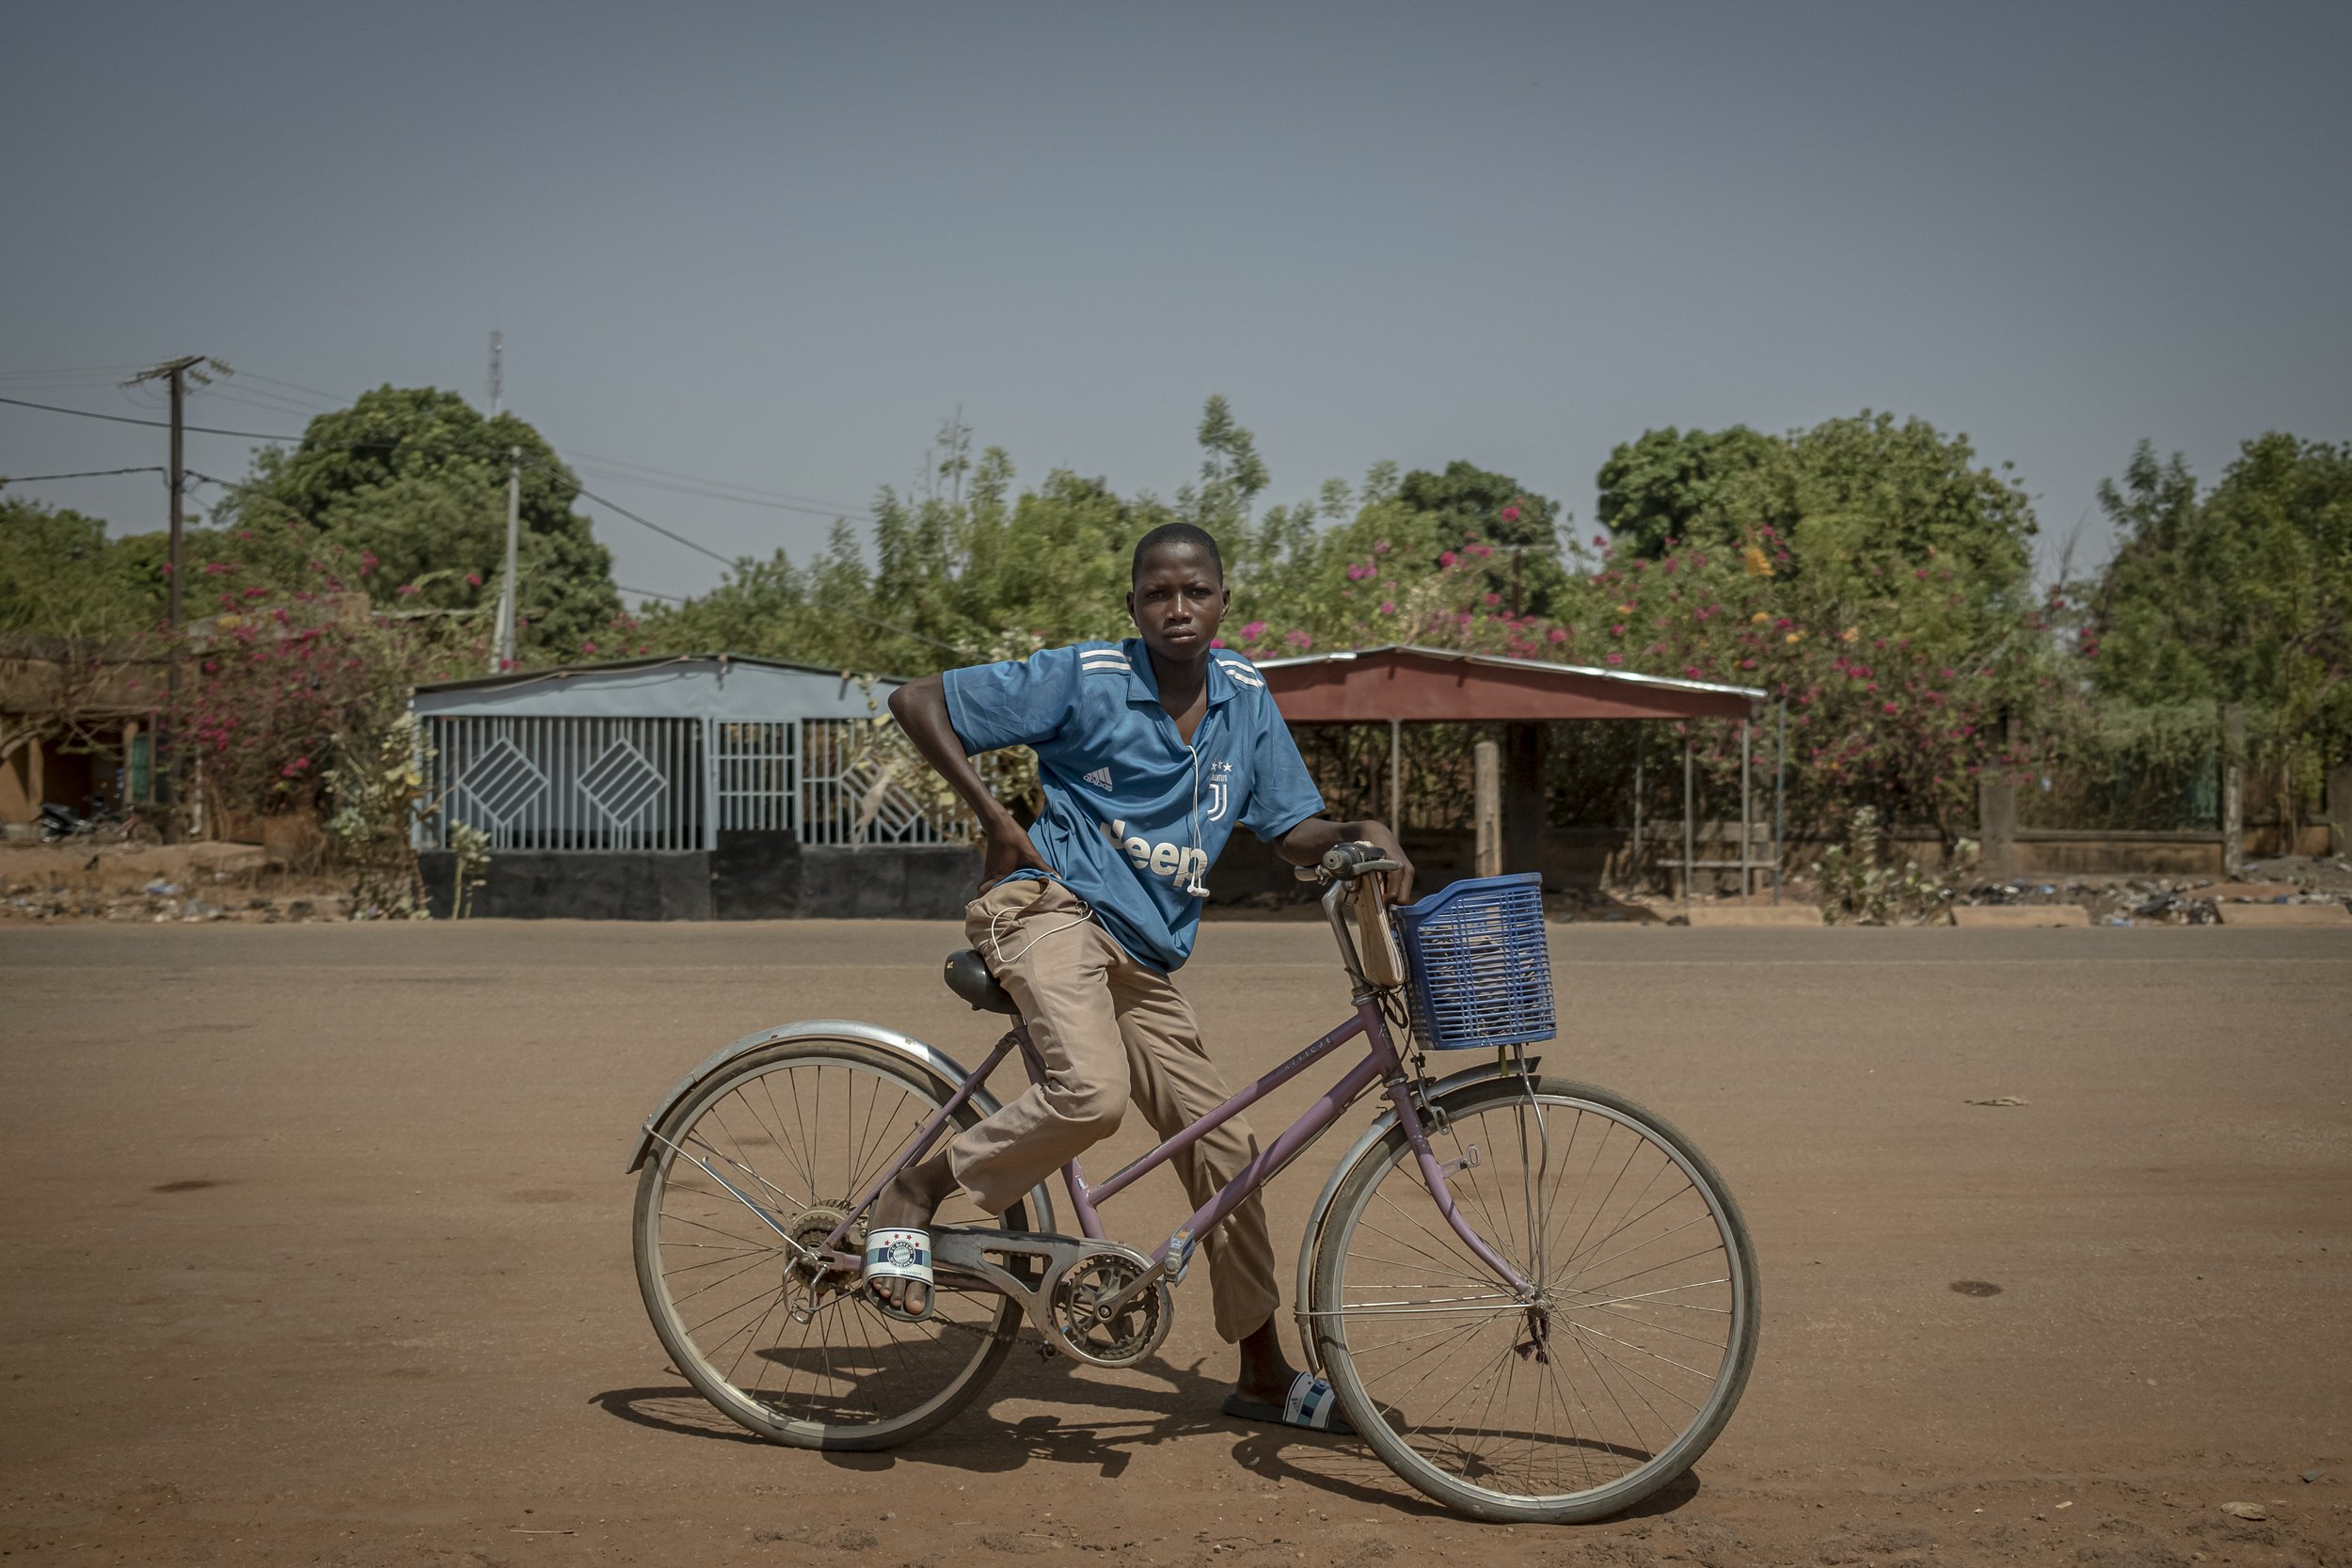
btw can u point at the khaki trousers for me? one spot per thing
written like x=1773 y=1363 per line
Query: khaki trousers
x=1108 y=1029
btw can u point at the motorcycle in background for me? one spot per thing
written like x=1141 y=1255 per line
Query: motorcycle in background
x=102 y=824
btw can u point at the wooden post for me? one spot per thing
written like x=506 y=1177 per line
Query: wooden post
x=1689 y=812
x=1396 y=776
x=1747 y=835
x=1487 y=804
x=1997 y=814
x=1633 y=857
x=2340 y=808
x=2232 y=787
x=1780 y=797
x=1523 y=797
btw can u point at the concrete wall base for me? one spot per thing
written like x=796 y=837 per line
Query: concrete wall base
x=522 y=885
x=751 y=876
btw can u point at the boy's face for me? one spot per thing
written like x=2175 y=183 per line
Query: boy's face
x=1178 y=601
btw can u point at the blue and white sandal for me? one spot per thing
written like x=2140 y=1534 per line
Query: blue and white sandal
x=1311 y=1407
x=903 y=1255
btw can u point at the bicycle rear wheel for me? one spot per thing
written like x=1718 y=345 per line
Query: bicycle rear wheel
x=1635 y=1352
x=801 y=1129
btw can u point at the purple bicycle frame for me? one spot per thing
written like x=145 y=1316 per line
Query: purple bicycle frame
x=1380 y=1064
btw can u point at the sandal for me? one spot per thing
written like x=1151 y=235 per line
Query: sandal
x=1312 y=1407
x=898 y=1254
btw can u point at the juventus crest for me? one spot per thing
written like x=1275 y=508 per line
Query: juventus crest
x=1220 y=790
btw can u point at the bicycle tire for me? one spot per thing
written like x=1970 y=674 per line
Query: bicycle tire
x=1581 y=1431
x=935 y=1379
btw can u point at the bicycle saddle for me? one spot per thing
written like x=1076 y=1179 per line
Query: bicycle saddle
x=968 y=978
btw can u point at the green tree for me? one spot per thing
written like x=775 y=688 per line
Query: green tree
x=406 y=492
x=2241 y=595
x=1663 y=487
x=955 y=570
x=1468 y=506
x=61 y=578
x=1860 y=496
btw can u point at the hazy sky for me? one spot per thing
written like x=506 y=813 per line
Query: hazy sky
x=775 y=245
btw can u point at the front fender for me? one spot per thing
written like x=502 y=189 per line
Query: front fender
x=812 y=1029
x=1379 y=1129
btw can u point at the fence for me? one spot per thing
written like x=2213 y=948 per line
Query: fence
x=612 y=786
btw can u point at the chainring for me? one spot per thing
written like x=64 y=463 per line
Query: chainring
x=1128 y=1334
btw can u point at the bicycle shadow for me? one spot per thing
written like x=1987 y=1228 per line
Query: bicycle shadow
x=1100 y=1423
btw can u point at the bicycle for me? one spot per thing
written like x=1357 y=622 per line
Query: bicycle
x=1562 y=1332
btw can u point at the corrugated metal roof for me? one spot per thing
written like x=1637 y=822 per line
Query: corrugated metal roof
x=1455 y=654
x=656 y=661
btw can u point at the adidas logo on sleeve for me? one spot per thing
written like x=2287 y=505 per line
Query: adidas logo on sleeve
x=1100 y=778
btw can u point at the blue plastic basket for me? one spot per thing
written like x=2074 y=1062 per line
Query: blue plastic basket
x=1481 y=973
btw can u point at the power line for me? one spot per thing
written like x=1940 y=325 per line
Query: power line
x=86 y=473
x=614 y=478
x=153 y=425
x=576 y=455
x=648 y=593
x=578 y=489
x=587 y=494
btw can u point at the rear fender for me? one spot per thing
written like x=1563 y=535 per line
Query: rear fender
x=935 y=1061
x=1381 y=1125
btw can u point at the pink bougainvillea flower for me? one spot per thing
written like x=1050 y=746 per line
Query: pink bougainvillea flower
x=1617 y=630
x=1511 y=513
x=1254 y=630
x=1616 y=658
x=1299 y=639
x=1381 y=548
x=408 y=588
x=587 y=647
x=1493 y=599
x=1559 y=636
x=473 y=579
x=1388 y=607
x=1213 y=643
x=1447 y=558
x=1481 y=550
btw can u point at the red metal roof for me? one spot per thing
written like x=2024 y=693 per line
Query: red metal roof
x=1400 y=681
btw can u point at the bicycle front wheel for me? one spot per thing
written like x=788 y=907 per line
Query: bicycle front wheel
x=1618 y=1375
x=749 y=1171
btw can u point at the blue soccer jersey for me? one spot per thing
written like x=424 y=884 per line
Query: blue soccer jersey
x=1133 y=815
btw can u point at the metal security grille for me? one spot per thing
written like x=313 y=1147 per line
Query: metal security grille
x=846 y=799
x=569 y=783
x=758 y=763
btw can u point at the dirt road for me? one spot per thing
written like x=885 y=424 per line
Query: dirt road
x=318 y=1252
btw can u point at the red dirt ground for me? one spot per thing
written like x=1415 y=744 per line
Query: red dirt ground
x=318 y=1253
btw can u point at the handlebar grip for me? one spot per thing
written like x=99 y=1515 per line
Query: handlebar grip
x=1350 y=860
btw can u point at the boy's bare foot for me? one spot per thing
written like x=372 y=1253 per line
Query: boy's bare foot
x=1267 y=1375
x=908 y=1203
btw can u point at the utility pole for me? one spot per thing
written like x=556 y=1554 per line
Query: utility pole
x=498 y=382
x=176 y=373
x=502 y=646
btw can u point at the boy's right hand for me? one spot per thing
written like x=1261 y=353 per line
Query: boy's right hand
x=1008 y=849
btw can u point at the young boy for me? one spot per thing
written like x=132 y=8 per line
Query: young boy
x=1150 y=752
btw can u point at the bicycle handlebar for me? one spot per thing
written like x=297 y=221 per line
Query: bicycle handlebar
x=1348 y=862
